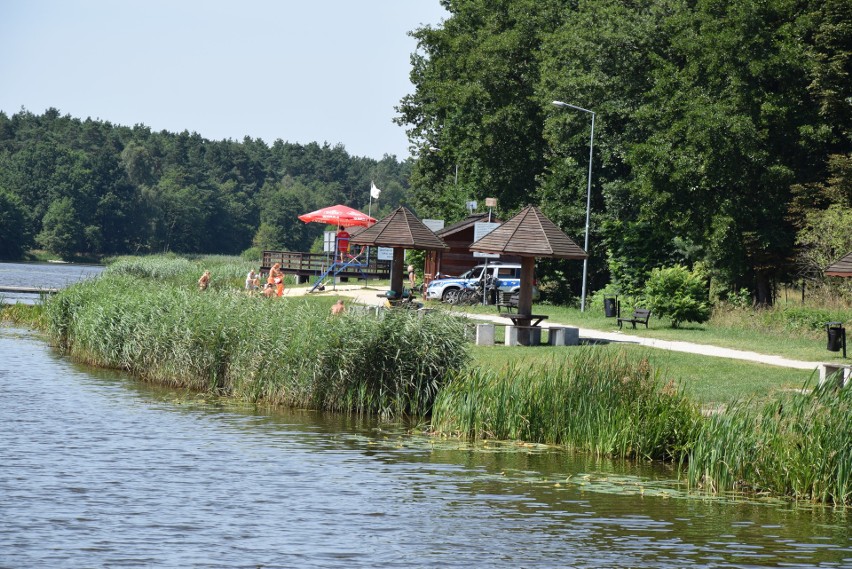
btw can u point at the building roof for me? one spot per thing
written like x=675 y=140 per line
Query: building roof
x=400 y=229
x=466 y=223
x=841 y=268
x=530 y=234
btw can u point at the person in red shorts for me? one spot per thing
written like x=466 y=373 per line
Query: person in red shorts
x=342 y=243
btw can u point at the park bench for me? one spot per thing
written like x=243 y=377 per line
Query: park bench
x=507 y=300
x=639 y=316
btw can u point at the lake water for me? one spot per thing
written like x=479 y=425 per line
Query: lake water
x=41 y=275
x=100 y=470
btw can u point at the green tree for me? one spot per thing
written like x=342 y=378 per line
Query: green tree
x=475 y=100
x=62 y=231
x=14 y=235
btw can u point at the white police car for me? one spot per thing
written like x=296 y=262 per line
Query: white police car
x=508 y=277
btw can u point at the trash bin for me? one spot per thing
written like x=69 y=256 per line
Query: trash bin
x=610 y=306
x=836 y=337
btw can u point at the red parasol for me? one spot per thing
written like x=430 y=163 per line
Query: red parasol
x=338 y=215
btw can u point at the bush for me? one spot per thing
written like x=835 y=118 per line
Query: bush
x=679 y=294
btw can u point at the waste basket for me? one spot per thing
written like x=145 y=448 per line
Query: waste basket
x=836 y=337
x=610 y=306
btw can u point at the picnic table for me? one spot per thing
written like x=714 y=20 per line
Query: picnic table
x=525 y=319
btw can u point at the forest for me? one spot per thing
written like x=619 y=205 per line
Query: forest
x=92 y=189
x=721 y=141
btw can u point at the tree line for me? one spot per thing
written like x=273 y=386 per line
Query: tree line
x=722 y=134
x=91 y=188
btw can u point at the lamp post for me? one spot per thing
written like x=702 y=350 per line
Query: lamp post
x=456 y=177
x=562 y=105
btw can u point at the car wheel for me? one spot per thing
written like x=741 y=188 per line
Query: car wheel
x=451 y=296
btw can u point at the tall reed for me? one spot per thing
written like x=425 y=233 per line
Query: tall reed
x=593 y=401
x=800 y=446
x=287 y=351
x=227 y=272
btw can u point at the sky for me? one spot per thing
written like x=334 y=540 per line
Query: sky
x=326 y=71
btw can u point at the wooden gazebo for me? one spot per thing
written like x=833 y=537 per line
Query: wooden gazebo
x=529 y=234
x=400 y=230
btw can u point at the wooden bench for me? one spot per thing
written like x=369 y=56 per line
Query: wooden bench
x=640 y=316
x=507 y=300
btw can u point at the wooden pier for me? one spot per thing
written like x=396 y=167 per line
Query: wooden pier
x=28 y=289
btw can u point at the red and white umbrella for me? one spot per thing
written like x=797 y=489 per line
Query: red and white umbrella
x=338 y=215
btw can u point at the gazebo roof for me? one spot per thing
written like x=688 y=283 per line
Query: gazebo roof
x=530 y=234
x=400 y=229
x=841 y=268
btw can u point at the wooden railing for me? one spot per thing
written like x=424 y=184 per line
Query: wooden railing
x=315 y=264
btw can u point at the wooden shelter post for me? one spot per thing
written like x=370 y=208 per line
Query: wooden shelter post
x=527 y=278
x=396 y=269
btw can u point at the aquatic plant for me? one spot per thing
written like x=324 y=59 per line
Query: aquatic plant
x=800 y=446
x=287 y=351
x=604 y=403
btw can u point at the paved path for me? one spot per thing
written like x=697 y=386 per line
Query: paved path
x=368 y=296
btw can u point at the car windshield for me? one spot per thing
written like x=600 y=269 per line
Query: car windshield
x=474 y=273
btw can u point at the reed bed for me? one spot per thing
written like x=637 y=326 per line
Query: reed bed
x=28 y=314
x=800 y=446
x=227 y=272
x=282 y=351
x=605 y=404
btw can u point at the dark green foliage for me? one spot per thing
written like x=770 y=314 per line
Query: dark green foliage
x=678 y=294
x=14 y=234
x=709 y=116
x=61 y=231
x=125 y=190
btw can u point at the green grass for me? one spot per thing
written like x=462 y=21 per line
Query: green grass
x=783 y=331
x=709 y=381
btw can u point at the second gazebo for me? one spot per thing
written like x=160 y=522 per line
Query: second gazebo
x=529 y=234
x=400 y=230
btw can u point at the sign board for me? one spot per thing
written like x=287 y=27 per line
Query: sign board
x=384 y=253
x=490 y=202
x=434 y=224
x=471 y=206
x=328 y=241
x=480 y=230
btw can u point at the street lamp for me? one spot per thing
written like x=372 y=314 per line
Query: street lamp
x=562 y=105
x=456 y=179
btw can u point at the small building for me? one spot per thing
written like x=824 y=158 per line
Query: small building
x=459 y=257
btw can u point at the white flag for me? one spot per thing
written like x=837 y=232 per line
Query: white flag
x=374 y=191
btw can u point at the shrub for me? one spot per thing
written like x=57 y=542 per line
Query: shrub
x=679 y=294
